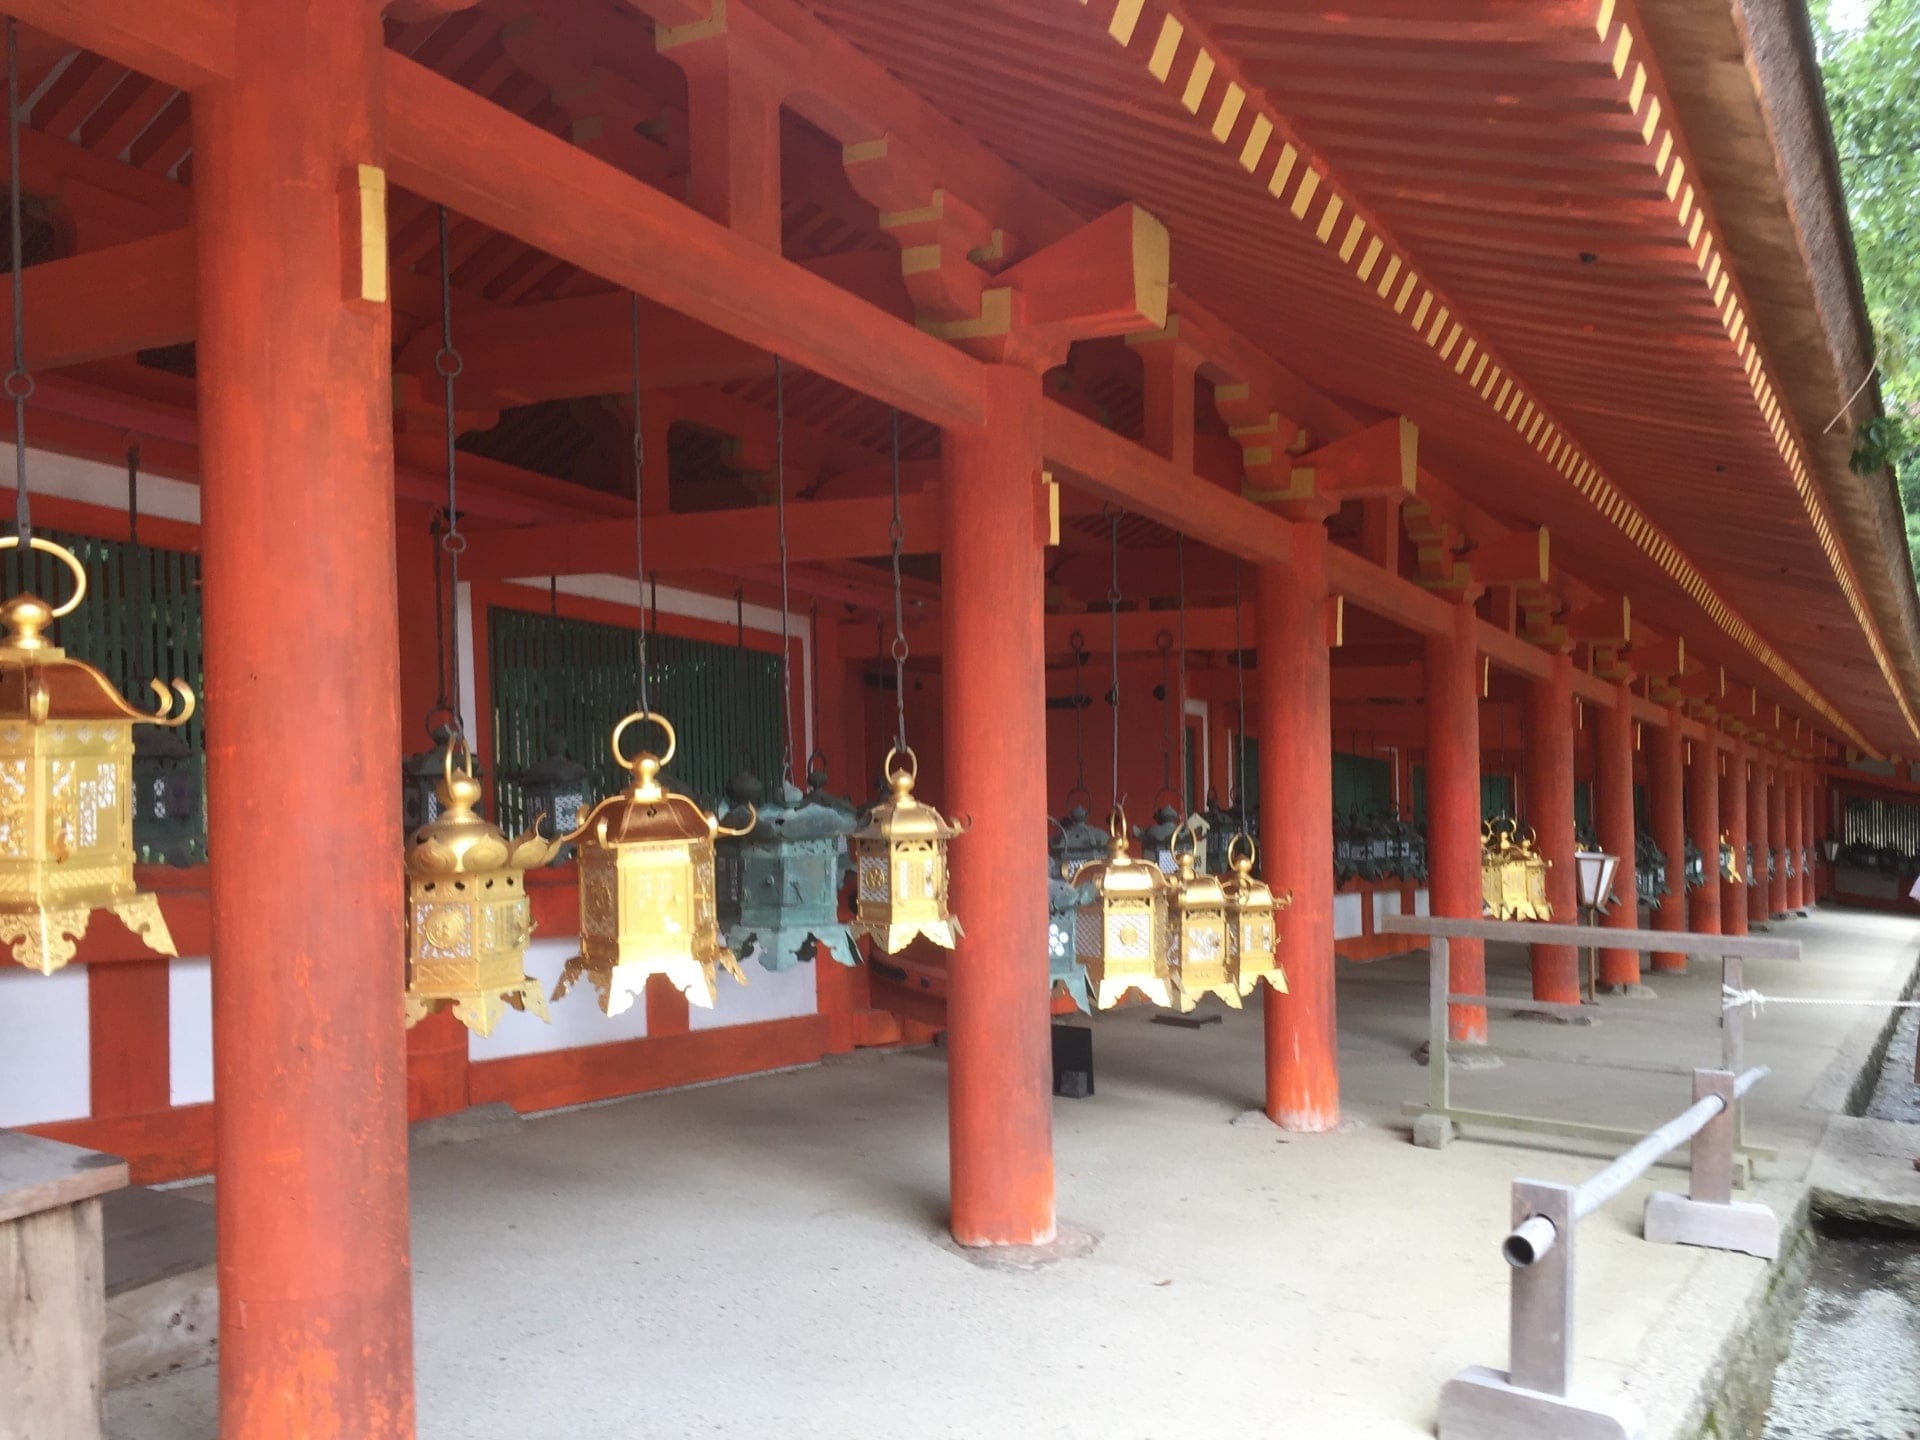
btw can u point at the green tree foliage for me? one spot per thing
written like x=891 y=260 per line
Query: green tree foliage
x=1870 y=59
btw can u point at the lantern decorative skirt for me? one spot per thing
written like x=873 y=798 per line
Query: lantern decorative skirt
x=66 y=787
x=1063 y=965
x=900 y=858
x=779 y=883
x=1197 y=935
x=646 y=889
x=1253 y=926
x=1121 y=933
x=468 y=917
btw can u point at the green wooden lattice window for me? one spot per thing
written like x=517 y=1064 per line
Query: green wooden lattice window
x=578 y=677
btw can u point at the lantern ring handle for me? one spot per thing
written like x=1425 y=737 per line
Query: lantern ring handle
x=621 y=729
x=66 y=556
x=1117 y=822
x=894 y=752
x=1085 y=795
x=1235 y=845
x=459 y=738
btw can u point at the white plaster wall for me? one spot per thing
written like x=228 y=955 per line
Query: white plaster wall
x=1347 y=916
x=576 y=1019
x=190 y=1031
x=44 y=1045
x=1422 y=903
x=1385 y=902
x=767 y=995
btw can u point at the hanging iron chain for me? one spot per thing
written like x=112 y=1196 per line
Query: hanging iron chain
x=1180 y=579
x=142 y=574
x=897 y=534
x=448 y=363
x=639 y=500
x=1079 y=644
x=19 y=379
x=780 y=504
x=1163 y=642
x=1113 y=635
x=1240 y=672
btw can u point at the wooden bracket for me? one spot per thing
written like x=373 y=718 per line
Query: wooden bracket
x=1381 y=461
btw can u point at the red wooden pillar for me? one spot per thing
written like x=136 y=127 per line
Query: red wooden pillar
x=1613 y=804
x=1556 y=968
x=1453 y=809
x=1733 y=812
x=1667 y=818
x=1797 y=821
x=1759 y=894
x=1777 y=838
x=999 y=1035
x=303 y=732
x=1296 y=829
x=1703 y=823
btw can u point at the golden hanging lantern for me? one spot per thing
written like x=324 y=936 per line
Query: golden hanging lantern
x=1513 y=874
x=1729 y=865
x=1493 y=869
x=468 y=916
x=646 y=888
x=1197 y=929
x=66 y=786
x=900 y=861
x=1253 y=928
x=1121 y=933
x=1534 y=867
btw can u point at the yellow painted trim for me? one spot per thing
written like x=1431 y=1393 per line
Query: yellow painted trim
x=1126 y=15
x=1160 y=63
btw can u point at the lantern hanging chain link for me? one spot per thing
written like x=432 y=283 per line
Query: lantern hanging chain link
x=19 y=380
x=780 y=504
x=1240 y=673
x=639 y=498
x=897 y=534
x=1079 y=643
x=1113 y=636
x=448 y=362
x=813 y=680
x=142 y=572
x=1164 y=643
x=1180 y=580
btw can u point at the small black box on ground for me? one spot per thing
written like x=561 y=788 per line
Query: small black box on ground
x=1072 y=1061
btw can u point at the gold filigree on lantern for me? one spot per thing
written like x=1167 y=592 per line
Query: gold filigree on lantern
x=900 y=866
x=1197 y=928
x=1513 y=874
x=1253 y=926
x=66 y=786
x=647 y=902
x=468 y=916
x=1121 y=932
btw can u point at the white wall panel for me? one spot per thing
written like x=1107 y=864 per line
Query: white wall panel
x=190 y=1031
x=767 y=995
x=44 y=1045
x=1347 y=915
x=576 y=1020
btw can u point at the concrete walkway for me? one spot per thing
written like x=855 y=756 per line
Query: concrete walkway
x=763 y=1258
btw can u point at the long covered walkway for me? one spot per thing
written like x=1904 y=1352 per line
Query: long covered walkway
x=767 y=1257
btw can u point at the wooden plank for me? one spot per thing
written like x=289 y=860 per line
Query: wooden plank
x=1529 y=932
x=451 y=145
x=53 y=1315
x=38 y=1174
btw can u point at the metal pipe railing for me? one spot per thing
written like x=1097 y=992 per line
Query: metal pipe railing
x=1532 y=1396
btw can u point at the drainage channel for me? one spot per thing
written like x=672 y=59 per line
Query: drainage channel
x=1852 y=1371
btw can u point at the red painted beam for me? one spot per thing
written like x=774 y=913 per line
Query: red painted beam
x=459 y=148
x=717 y=540
x=186 y=43
x=135 y=296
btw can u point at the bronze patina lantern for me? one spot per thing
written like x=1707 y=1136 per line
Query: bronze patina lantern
x=66 y=785
x=1253 y=925
x=1076 y=842
x=779 y=881
x=1197 y=935
x=167 y=787
x=468 y=917
x=1063 y=965
x=554 y=789
x=900 y=859
x=421 y=773
x=1696 y=866
x=646 y=889
x=1157 y=840
x=1121 y=933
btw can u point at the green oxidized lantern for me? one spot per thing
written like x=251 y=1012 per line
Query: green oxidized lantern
x=168 y=787
x=1696 y=871
x=779 y=884
x=1156 y=840
x=1078 y=842
x=1063 y=965
x=555 y=788
x=420 y=776
x=1754 y=877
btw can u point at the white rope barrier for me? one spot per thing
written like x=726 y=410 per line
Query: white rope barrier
x=1734 y=999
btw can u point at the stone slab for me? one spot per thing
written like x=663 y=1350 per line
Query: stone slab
x=1676 y=1220
x=1481 y=1404
x=39 y=1174
x=1864 y=1170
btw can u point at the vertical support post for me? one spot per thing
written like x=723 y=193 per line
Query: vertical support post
x=1703 y=823
x=1453 y=809
x=1760 y=892
x=999 y=1035
x=1556 y=968
x=296 y=427
x=1800 y=892
x=1296 y=826
x=1540 y=1313
x=1613 y=796
x=1733 y=810
x=1710 y=1159
x=1777 y=905
x=1667 y=818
